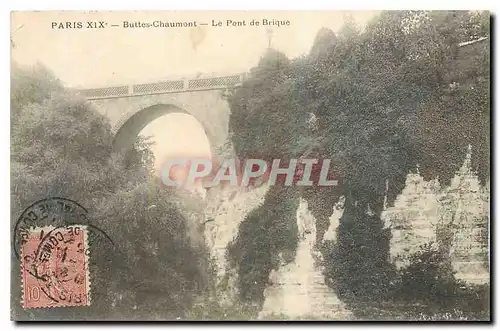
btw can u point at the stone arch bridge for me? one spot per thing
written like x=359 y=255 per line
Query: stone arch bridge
x=131 y=107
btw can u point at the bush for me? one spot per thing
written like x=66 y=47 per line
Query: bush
x=428 y=277
x=61 y=146
x=429 y=280
x=266 y=235
x=356 y=265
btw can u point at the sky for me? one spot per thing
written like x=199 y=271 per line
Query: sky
x=87 y=58
x=100 y=57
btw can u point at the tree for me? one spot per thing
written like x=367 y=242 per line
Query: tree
x=403 y=92
x=60 y=146
x=267 y=235
x=263 y=113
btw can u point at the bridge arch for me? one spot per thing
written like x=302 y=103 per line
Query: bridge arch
x=131 y=124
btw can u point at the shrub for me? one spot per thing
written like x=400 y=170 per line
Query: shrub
x=266 y=235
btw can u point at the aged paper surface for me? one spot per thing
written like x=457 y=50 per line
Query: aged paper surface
x=306 y=165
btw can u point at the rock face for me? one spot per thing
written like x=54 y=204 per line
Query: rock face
x=423 y=208
x=465 y=208
x=297 y=289
x=413 y=218
x=226 y=209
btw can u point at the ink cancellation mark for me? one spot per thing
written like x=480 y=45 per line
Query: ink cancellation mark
x=55 y=211
x=54 y=267
x=51 y=240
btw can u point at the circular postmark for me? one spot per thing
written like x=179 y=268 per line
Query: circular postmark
x=56 y=212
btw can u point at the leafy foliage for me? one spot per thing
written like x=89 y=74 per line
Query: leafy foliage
x=424 y=278
x=264 y=113
x=359 y=268
x=267 y=236
x=410 y=89
x=429 y=279
x=61 y=147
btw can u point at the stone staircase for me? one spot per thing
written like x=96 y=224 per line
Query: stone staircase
x=298 y=289
x=423 y=206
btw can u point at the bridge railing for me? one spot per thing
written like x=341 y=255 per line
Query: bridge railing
x=169 y=86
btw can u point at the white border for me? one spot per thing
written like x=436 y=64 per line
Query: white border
x=252 y=5
x=180 y=5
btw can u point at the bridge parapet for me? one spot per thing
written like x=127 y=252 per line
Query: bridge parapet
x=105 y=92
x=169 y=86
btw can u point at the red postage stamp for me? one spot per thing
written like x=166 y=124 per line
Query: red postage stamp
x=54 y=264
